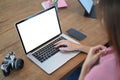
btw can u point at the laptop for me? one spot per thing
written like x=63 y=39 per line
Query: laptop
x=38 y=33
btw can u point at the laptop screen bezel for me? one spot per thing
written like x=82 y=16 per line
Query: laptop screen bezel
x=32 y=17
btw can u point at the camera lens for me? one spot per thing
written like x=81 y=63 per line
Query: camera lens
x=19 y=64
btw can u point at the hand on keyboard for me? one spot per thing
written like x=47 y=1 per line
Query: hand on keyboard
x=61 y=46
x=65 y=45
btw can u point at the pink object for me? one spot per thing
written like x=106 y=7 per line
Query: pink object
x=47 y=4
x=107 y=69
x=62 y=3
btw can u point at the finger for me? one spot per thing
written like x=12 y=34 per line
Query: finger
x=64 y=49
x=61 y=41
x=98 y=48
x=57 y=42
x=98 y=54
x=101 y=47
x=60 y=44
x=102 y=52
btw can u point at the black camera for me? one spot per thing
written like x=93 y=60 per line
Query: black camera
x=11 y=62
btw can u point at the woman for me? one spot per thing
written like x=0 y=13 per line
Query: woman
x=109 y=62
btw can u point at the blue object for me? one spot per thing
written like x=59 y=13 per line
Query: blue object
x=73 y=75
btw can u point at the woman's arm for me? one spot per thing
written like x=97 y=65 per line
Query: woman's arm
x=70 y=46
x=84 y=72
x=92 y=57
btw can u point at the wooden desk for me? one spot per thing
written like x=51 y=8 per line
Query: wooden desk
x=11 y=11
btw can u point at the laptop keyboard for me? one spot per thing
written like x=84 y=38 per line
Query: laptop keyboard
x=47 y=51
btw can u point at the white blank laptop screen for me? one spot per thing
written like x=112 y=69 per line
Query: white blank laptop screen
x=39 y=29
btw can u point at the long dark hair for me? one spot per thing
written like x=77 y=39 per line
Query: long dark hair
x=110 y=12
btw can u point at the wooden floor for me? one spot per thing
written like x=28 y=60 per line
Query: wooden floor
x=11 y=11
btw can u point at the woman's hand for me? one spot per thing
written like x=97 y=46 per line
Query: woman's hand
x=93 y=55
x=70 y=46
